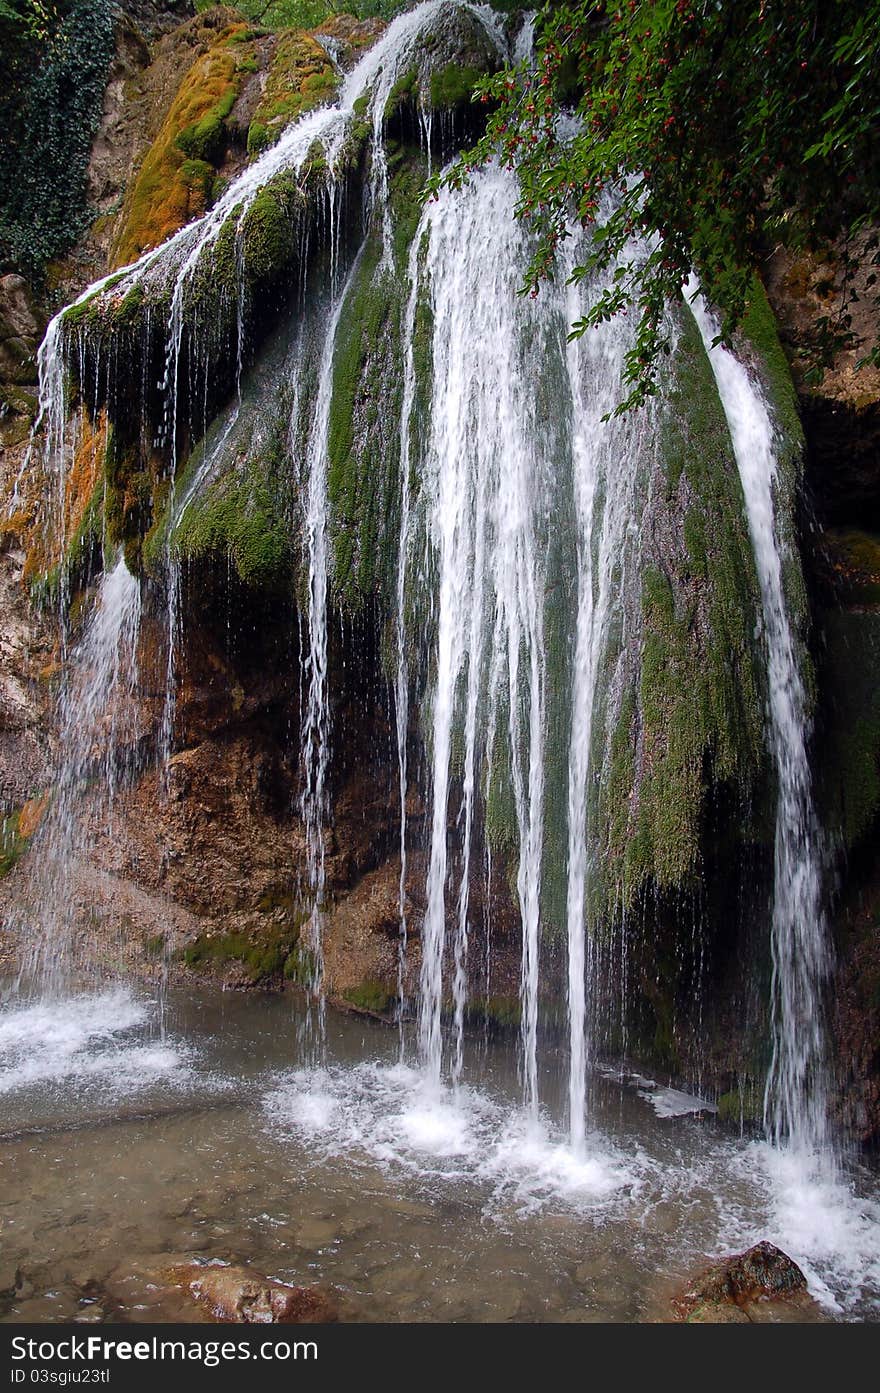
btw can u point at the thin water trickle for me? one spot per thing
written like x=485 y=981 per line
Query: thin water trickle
x=796 y=1105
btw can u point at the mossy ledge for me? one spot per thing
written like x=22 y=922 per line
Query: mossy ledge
x=694 y=718
x=175 y=180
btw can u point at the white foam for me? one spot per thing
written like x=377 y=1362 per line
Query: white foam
x=400 y=1119
x=815 y=1215
x=82 y=1037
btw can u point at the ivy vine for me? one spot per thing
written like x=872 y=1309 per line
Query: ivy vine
x=53 y=71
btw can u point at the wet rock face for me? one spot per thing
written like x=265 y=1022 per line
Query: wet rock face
x=245 y=1295
x=762 y=1284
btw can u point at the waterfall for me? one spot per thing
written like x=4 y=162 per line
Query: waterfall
x=604 y=453
x=501 y=482
x=401 y=685
x=795 y=1106
x=97 y=722
x=315 y=738
x=520 y=483
x=482 y=492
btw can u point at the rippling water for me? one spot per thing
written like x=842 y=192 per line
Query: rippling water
x=122 y=1148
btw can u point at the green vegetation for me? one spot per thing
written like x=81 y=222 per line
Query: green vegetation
x=300 y=77
x=242 y=518
x=262 y=957
x=54 y=57
x=726 y=126
x=743 y=1105
x=306 y=14
x=364 y=427
x=176 y=179
x=12 y=843
x=696 y=719
x=370 y=996
x=500 y=1013
x=453 y=86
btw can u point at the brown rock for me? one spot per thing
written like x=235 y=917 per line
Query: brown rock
x=746 y=1282
x=243 y=1294
x=21 y=328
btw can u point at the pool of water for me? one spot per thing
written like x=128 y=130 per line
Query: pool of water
x=216 y=1126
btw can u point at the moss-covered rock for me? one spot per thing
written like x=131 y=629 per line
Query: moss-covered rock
x=849 y=764
x=262 y=956
x=695 y=720
x=365 y=413
x=176 y=176
x=300 y=76
x=243 y=520
x=370 y=996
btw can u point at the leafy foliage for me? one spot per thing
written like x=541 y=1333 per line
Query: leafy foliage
x=53 y=68
x=306 y=14
x=724 y=125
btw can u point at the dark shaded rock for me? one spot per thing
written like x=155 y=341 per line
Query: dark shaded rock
x=843 y=459
x=155 y=17
x=21 y=328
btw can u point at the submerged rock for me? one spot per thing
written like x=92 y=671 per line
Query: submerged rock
x=740 y=1287
x=242 y=1294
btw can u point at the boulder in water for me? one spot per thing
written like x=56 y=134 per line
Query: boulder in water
x=740 y=1288
x=233 y=1293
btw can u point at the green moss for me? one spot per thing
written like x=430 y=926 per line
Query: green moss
x=12 y=844
x=740 y=1106
x=364 y=426
x=204 y=140
x=370 y=996
x=171 y=186
x=243 y=517
x=300 y=966
x=501 y=1013
x=696 y=718
x=258 y=138
x=268 y=230
x=453 y=85
x=760 y=331
x=263 y=956
x=405 y=89
x=849 y=754
x=127 y=498
x=199 y=175
x=300 y=77
x=759 y=328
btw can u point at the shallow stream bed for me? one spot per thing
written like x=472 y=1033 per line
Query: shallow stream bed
x=227 y=1133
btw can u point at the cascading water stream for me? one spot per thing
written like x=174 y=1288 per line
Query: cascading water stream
x=401 y=685
x=795 y=1109
x=524 y=540
x=605 y=474
x=97 y=732
x=492 y=480
x=480 y=482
